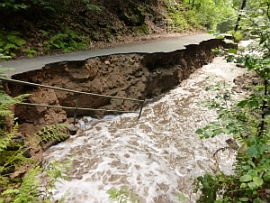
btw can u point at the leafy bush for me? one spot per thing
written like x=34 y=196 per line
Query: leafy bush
x=30 y=52
x=51 y=5
x=177 y=20
x=247 y=120
x=10 y=42
x=200 y=14
x=13 y=5
x=67 y=40
x=238 y=36
x=192 y=18
x=226 y=24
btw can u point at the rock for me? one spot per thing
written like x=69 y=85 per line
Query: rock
x=246 y=81
x=107 y=62
x=85 y=120
x=232 y=144
x=73 y=129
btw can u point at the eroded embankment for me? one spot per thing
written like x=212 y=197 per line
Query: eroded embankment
x=136 y=75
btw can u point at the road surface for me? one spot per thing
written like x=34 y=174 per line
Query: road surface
x=164 y=45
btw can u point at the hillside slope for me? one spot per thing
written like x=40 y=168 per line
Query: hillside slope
x=66 y=26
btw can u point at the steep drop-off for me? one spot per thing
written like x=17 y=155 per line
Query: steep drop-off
x=138 y=76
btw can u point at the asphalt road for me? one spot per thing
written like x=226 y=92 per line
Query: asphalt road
x=164 y=45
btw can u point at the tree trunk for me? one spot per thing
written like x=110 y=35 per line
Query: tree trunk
x=244 y=2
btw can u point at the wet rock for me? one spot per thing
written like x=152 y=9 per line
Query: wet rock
x=73 y=129
x=246 y=82
x=232 y=144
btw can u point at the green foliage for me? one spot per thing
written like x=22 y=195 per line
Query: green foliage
x=89 y=6
x=193 y=19
x=13 y=43
x=30 y=52
x=194 y=14
x=218 y=52
x=37 y=184
x=109 y=35
x=51 y=5
x=67 y=40
x=10 y=42
x=14 y=5
x=181 y=198
x=2 y=56
x=139 y=30
x=227 y=23
x=238 y=36
x=247 y=120
x=7 y=102
x=33 y=189
x=95 y=37
x=27 y=192
x=177 y=21
x=52 y=132
x=209 y=188
x=123 y=195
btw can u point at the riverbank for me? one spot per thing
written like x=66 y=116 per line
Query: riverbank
x=156 y=158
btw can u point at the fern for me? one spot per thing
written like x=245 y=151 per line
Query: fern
x=28 y=192
x=7 y=102
x=10 y=41
x=14 y=158
x=4 y=142
x=5 y=113
x=239 y=138
x=30 y=189
x=53 y=132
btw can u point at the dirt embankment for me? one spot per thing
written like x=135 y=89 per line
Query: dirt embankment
x=138 y=76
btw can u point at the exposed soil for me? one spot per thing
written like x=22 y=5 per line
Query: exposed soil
x=137 y=76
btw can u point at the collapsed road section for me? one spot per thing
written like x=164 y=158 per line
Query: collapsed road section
x=133 y=75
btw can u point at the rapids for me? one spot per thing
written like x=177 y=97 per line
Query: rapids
x=156 y=158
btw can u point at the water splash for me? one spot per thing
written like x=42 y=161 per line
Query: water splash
x=156 y=158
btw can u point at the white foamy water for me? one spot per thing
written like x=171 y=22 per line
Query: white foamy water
x=156 y=158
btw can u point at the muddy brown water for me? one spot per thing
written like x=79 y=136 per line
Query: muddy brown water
x=157 y=158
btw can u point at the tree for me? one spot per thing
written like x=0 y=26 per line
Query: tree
x=244 y=2
x=211 y=13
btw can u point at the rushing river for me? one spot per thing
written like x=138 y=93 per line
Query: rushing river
x=156 y=158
